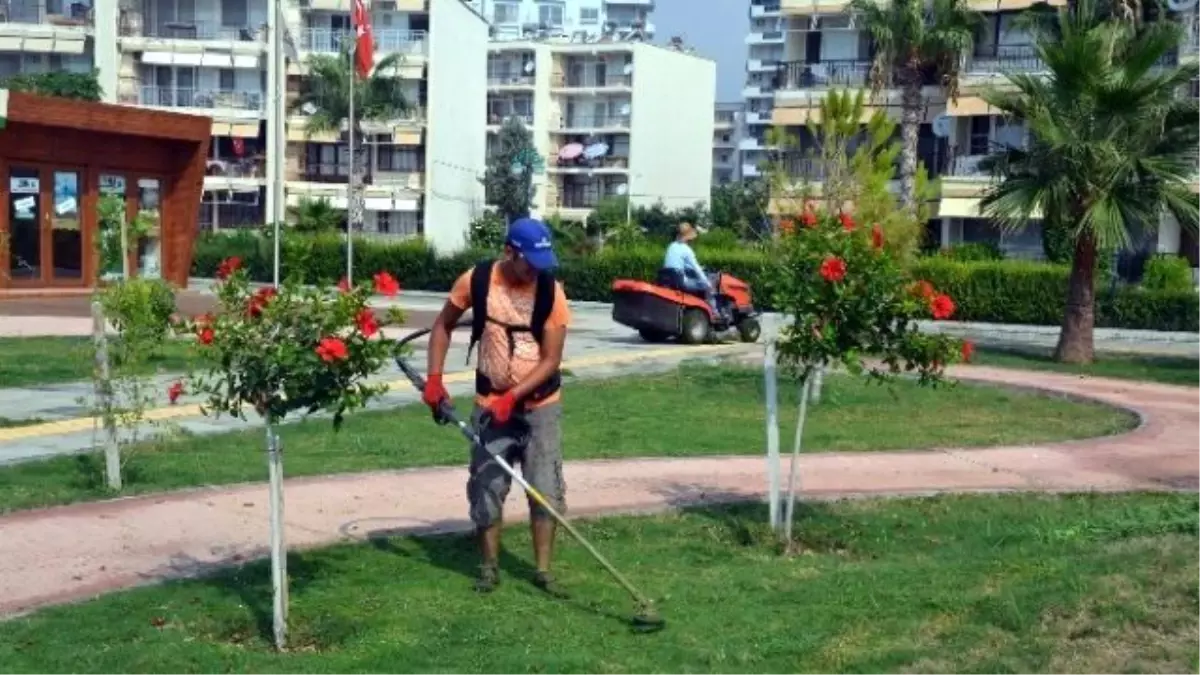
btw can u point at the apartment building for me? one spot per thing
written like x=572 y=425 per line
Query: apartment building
x=578 y=20
x=821 y=48
x=728 y=125
x=611 y=119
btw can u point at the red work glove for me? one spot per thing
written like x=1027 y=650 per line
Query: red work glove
x=501 y=408
x=434 y=394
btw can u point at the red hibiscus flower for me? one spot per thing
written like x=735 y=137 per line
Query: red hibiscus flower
x=968 y=350
x=809 y=219
x=941 y=306
x=847 y=221
x=924 y=290
x=367 y=324
x=227 y=267
x=205 y=335
x=344 y=285
x=260 y=300
x=787 y=226
x=386 y=284
x=174 y=391
x=877 y=236
x=332 y=349
x=833 y=269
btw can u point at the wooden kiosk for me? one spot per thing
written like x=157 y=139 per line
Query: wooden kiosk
x=60 y=157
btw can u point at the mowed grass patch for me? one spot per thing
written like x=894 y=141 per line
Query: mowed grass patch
x=33 y=361
x=1165 y=369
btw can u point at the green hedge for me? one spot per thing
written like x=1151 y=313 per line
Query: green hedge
x=989 y=291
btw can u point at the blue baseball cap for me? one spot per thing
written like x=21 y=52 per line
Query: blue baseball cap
x=531 y=238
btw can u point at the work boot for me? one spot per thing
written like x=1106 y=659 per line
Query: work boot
x=488 y=579
x=546 y=582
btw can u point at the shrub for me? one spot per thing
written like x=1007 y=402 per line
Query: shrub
x=1167 y=273
x=973 y=252
x=487 y=231
x=999 y=291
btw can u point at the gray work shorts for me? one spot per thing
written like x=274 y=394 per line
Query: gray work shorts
x=532 y=440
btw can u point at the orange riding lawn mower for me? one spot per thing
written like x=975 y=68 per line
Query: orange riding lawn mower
x=663 y=310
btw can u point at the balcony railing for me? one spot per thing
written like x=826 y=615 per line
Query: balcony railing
x=725 y=117
x=823 y=74
x=595 y=122
x=185 y=97
x=585 y=197
x=249 y=167
x=581 y=162
x=53 y=12
x=590 y=80
x=203 y=30
x=509 y=78
x=496 y=120
x=387 y=40
x=967 y=166
x=1005 y=59
x=1191 y=43
x=326 y=172
x=804 y=166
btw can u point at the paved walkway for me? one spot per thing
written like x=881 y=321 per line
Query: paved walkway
x=75 y=552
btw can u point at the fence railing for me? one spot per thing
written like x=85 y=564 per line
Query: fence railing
x=590 y=80
x=387 y=40
x=595 y=122
x=203 y=30
x=207 y=99
x=841 y=73
x=509 y=78
x=495 y=119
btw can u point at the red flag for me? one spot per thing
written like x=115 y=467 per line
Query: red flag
x=364 y=44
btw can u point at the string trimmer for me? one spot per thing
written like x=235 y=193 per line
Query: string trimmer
x=646 y=619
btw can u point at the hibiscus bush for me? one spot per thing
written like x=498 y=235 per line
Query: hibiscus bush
x=848 y=298
x=289 y=349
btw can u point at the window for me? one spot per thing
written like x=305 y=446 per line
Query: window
x=506 y=12
x=589 y=16
x=403 y=223
x=234 y=13
x=550 y=14
x=227 y=80
x=399 y=159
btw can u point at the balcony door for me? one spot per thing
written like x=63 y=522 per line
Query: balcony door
x=46 y=231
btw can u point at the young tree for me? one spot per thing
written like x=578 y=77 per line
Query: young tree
x=912 y=39
x=1112 y=145
x=325 y=99
x=508 y=179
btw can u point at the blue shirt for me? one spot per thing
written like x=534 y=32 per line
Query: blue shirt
x=681 y=257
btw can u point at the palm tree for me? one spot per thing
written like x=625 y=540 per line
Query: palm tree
x=913 y=40
x=1112 y=145
x=316 y=216
x=325 y=99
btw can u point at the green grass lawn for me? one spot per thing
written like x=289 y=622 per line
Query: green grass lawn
x=1165 y=369
x=999 y=584
x=693 y=411
x=28 y=362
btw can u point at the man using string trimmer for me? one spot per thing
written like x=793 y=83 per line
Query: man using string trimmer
x=519 y=323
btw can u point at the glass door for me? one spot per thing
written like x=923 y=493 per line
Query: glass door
x=24 y=225
x=66 y=228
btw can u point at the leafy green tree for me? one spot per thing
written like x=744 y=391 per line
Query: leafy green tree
x=1112 y=145
x=487 y=231
x=913 y=38
x=508 y=179
x=325 y=99
x=740 y=207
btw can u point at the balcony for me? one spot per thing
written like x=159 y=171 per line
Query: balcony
x=62 y=13
x=851 y=73
x=1005 y=59
x=610 y=163
x=725 y=118
x=589 y=79
x=503 y=78
x=586 y=196
x=761 y=8
x=589 y=122
x=186 y=97
x=326 y=172
x=967 y=166
x=197 y=30
x=1191 y=40
x=495 y=119
x=765 y=37
x=246 y=168
x=387 y=41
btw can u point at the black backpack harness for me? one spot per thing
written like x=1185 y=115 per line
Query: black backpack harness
x=543 y=303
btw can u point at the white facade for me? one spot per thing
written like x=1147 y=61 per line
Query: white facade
x=729 y=123
x=574 y=19
x=611 y=119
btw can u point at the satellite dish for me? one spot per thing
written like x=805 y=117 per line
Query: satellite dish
x=622 y=189
x=628 y=69
x=941 y=126
x=529 y=66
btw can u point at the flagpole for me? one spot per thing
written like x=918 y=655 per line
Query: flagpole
x=351 y=202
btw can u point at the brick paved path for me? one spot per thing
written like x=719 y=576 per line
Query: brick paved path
x=74 y=552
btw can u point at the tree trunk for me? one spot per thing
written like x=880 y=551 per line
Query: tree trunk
x=1076 y=341
x=910 y=129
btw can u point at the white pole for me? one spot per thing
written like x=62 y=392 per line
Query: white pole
x=805 y=386
x=279 y=581
x=351 y=182
x=104 y=392
x=772 y=393
x=276 y=80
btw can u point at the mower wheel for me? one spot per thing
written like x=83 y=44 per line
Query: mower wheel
x=696 y=327
x=749 y=330
x=651 y=335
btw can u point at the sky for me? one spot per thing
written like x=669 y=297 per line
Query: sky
x=718 y=32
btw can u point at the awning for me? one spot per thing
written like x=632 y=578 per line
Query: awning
x=959 y=207
x=406 y=137
x=296 y=133
x=390 y=204
x=235 y=129
x=969 y=106
x=177 y=58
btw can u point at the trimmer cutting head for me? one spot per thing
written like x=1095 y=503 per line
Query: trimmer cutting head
x=647 y=620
